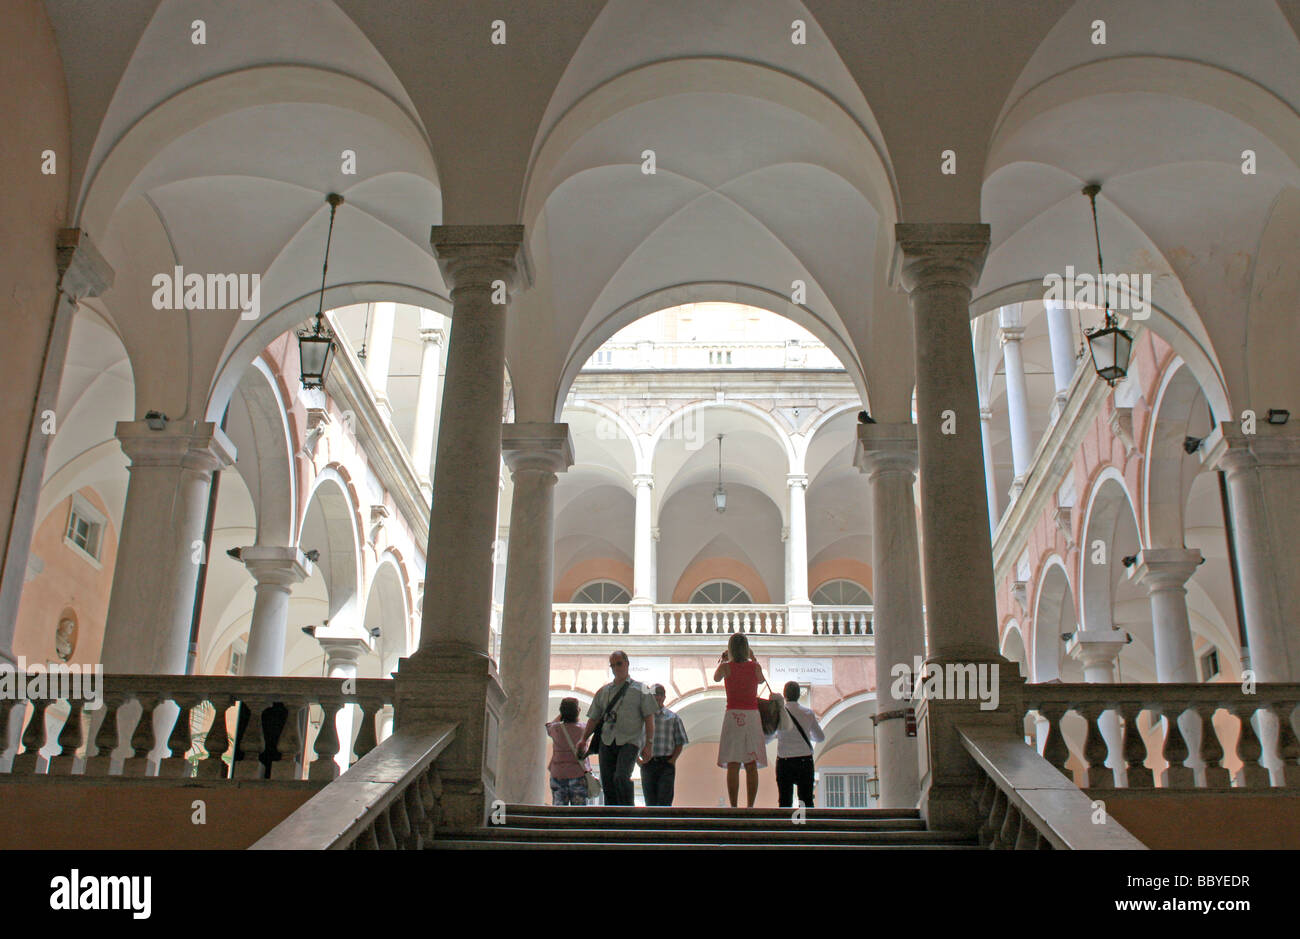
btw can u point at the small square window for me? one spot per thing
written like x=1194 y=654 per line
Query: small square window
x=1209 y=664
x=85 y=528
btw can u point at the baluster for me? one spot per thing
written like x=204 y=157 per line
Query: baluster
x=400 y=824
x=217 y=741
x=143 y=738
x=33 y=739
x=1175 y=751
x=365 y=741
x=248 y=751
x=988 y=833
x=1027 y=836
x=424 y=792
x=780 y=623
x=6 y=714
x=984 y=796
x=100 y=762
x=1216 y=776
x=620 y=626
x=69 y=741
x=835 y=623
x=366 y=841
x=288 y=746
x=179 y=741
x=416 y=814
x=326 y=746
x=1251 y=775
x=1095 y=749
x=1288 y=747
x=1055 y=750
x=555 y=621
x=384 y=832
x=1135 y=749
x=1010 y=830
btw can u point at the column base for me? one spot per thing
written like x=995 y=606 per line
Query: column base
x=799 y=619
x=948 y=772
x=447 y=682
x=641 y=618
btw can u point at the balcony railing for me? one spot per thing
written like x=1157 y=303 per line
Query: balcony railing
x=699 y=619
x=152 y=724
x=648 y=354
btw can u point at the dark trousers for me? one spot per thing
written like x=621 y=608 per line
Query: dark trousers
x=616 y=773
x=658 y=779
x=792 y=771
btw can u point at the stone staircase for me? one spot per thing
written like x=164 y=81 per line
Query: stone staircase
x=544 y=827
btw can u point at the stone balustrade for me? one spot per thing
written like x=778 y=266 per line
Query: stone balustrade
x=1266 y=746
x=842 y=620
x=388 y=800
x=589 y=618
x=148 y=725
x=709 y=355
x=702 y=619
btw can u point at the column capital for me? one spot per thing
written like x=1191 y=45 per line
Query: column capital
x=643 y=479
x=1010 y=334
x=471 y=257
x=940 y=254
x=343 y=651
x=799 y=480
x=654 y=533
x=886 y=448
x=1166 y=568
x=431 y=335
x=1229 y=450
x=986 y=414
x=198 y=445
x=282 y=567
x=83 y=271
x=536 y=446
x=1091 y=648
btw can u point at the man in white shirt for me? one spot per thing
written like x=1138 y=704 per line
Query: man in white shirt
x=795 y=735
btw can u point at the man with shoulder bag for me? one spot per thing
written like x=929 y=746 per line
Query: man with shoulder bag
x=795 y=736
x=620 y=722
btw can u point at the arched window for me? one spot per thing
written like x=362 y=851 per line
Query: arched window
x=602 y=591
x=720 y=592
x=841 y=593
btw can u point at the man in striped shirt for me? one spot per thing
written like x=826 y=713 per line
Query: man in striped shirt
x=659 y=773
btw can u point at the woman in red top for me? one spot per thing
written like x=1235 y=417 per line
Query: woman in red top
x=742 y=739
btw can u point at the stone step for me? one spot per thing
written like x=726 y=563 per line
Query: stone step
x=605 y=811
x=710 y=822
x=789 y=835
x=605 y=844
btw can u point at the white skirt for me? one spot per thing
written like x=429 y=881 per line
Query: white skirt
x=742 y=739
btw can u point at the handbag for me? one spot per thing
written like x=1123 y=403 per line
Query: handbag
x=593 y=784
x=593 y=748
x=769 y=712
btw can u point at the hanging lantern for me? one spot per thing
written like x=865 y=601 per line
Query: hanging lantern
x=316 y=346
x=1110 y=345
x=720 y=494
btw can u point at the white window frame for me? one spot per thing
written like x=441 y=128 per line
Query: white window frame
x=237 y=648
x=842 y=773
x=82 y=509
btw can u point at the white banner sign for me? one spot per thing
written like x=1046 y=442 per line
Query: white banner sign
x=651 y=670
x=804 y=671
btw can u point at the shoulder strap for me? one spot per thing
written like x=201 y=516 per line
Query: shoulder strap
x=799 y=727
x=620 y=694
x=569 y=740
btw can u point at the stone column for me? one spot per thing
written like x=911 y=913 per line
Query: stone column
x=888 y=453
x=1262 y=472
x=379 y=352
x=1097 y=651
x=938 y=265
x=450 y=678
x=641 y=609
x=799 y=607
x=534 y=453
x=426 y=405
x=1022 y=451
x=152 y=604
x=990 y=480
x=1063 y=361
x=1165 y=571
x=341 y=657
x=275 y=570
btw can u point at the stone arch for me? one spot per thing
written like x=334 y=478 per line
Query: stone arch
x=848 y=719
x=769 y=422
x=618 y=422
x=813 y=320
x=1167 y=471
x=338 y=529
x=1013 y=646
x=1054 y=615
x=387 y=609
x=1106 y=519
x=258 y=425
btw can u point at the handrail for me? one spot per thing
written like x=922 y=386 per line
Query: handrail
x=387 y=800
x=1028 y=803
